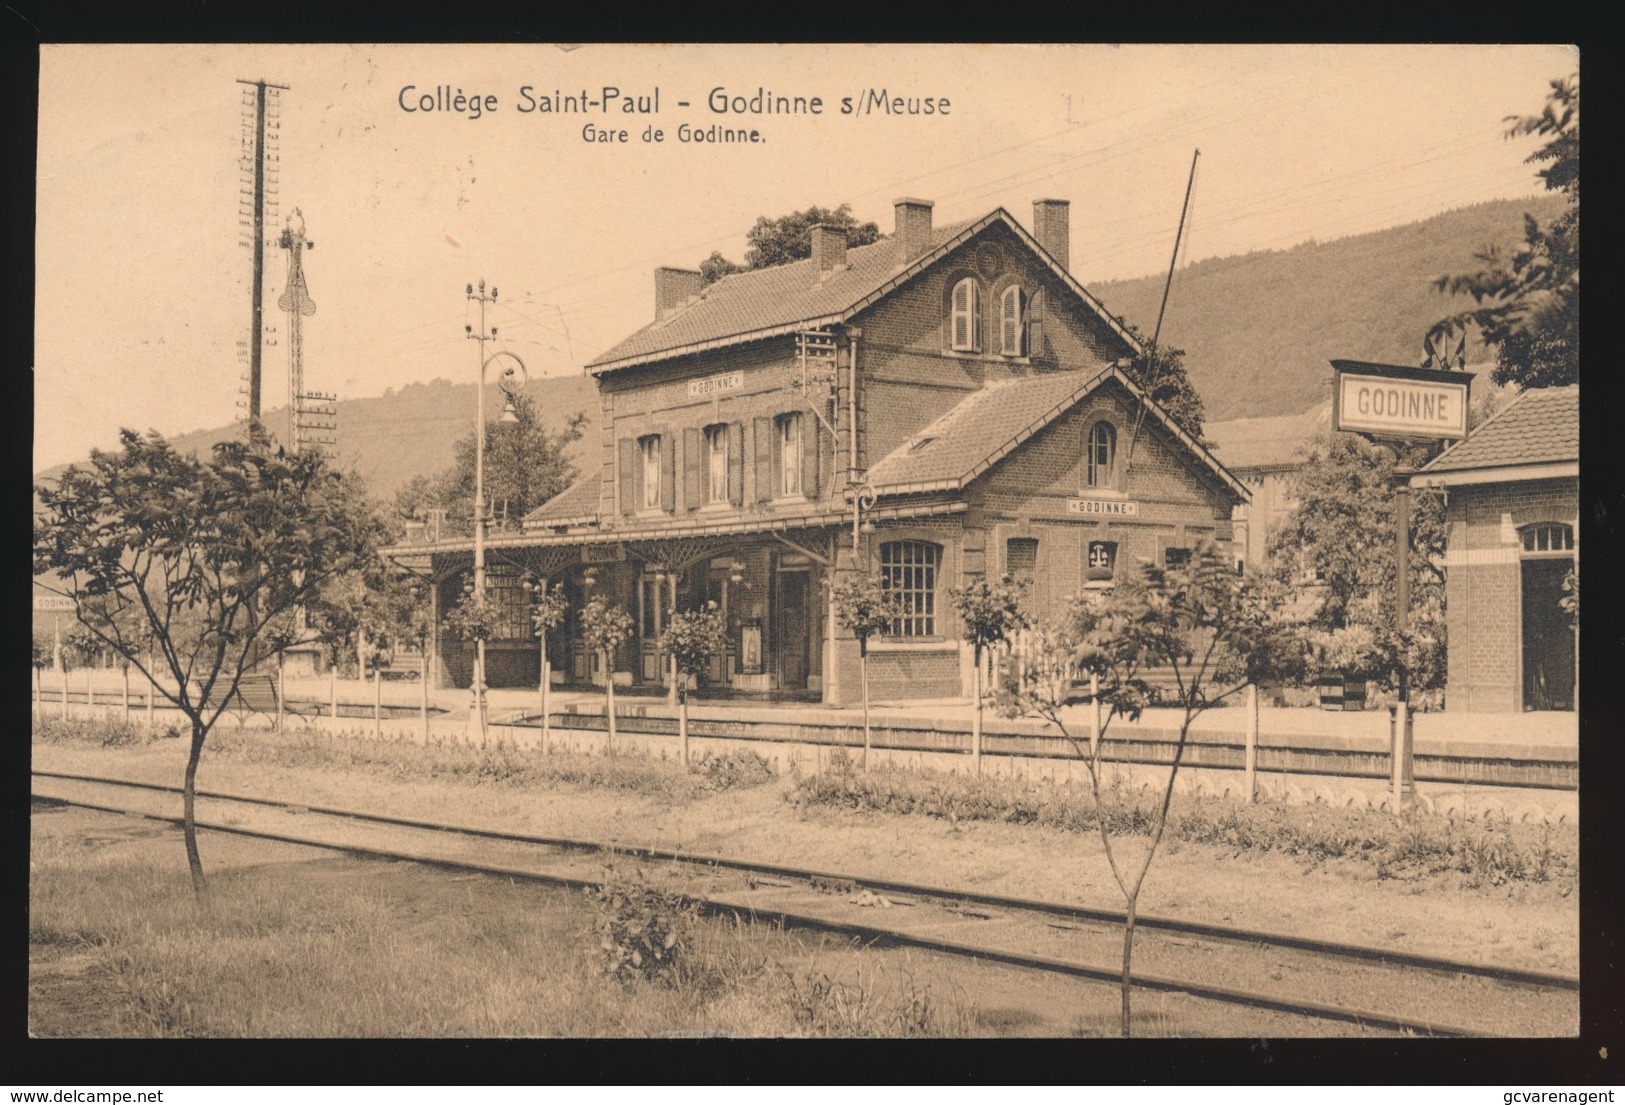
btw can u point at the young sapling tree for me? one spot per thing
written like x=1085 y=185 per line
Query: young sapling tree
x=1209 y=630
x=863 y=607
x=605 y=627
x=692 y=639
x=988 y=614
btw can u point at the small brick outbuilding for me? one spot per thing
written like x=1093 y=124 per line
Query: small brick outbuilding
x=1512 y=514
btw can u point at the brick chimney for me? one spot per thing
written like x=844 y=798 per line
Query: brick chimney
x=913 y=229
x=1050 y=227
x=828 y=248
x=674 y=288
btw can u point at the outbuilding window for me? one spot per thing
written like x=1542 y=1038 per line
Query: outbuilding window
x=1100 y=453
x=1548 y=537
x=965 y=317
x=908 y=572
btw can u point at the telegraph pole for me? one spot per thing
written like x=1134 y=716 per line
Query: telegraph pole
x=260 y=164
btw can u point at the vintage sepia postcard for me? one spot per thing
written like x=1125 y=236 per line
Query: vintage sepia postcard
x=762 y=541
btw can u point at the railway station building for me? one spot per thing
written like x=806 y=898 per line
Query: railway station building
x=1512 y=520
x=944 y=404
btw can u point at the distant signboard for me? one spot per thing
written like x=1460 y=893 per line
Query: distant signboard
x=602 y=554
x=1400 y=402
x=53 y=604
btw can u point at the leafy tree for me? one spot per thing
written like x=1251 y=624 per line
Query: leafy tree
x=789 y=238
x=605 y=627
x=692 y=638
x=988 y=614
x=1527 y=306
x=1338 y=546
x=207 y=555
x=1213 y=631
x=1161 y=373
x=525 y=465
x=716 y=266
x=864 y=607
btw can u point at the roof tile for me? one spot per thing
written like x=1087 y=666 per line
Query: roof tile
x=1540 y=426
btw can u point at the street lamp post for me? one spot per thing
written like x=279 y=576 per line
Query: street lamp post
x=480 y=707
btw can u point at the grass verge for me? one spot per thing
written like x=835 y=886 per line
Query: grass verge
x=351 y=948
x=1491 y=850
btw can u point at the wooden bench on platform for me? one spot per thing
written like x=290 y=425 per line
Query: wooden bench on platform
x=257 y=694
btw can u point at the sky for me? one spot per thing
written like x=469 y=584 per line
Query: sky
x=143 y=288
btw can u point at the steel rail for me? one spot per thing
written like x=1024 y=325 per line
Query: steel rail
x=872 y=934
x=1519 y=975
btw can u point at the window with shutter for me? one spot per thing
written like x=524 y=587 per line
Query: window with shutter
x=693 y=468
x=736 y=463
x=788 y=437
x=648 y=496
x=765 y=462
x=716 y=465
x=1011 y=328
x=627 y=473
x=810 y=442
x=668 y=472
x=966 y=316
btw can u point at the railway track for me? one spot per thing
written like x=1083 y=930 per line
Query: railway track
x=1408 y=993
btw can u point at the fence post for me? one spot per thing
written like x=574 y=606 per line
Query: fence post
x=152 y=691
x=281 y=692
x=126 y=692
x=90 y=694
x=38 y=697
x=64 y=711
x=1250 y=785
x=377 y=702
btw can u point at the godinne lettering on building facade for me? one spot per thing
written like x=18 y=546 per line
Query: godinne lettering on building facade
x=603 y=554
x=715 y=385
x=1400 y=402
x=1103 y=507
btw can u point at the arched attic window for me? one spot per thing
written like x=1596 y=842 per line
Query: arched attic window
x=1100 y=454
x=1013 y=322
x=965 y=317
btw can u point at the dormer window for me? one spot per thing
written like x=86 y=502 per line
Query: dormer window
x=965 y=317
x=1013 y=322
x=1100 y=453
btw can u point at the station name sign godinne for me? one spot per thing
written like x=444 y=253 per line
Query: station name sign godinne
x=1110 y=507
x=54 y=604
x=1399 y=401
x=715 y=385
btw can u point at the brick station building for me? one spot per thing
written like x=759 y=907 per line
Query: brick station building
x=960 y=373
x=1511 y=515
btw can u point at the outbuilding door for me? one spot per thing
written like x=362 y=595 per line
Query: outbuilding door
x=1548 y=637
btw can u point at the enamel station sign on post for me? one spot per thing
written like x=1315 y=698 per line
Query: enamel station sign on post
x=1395 y=401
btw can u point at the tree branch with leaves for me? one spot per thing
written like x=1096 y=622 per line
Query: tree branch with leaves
x=201 y=558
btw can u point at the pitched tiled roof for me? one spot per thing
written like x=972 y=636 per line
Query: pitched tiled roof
x=1266 y=442
x=750 y=305
x=1541 y=426
x=991 y=422
x=577 y=503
